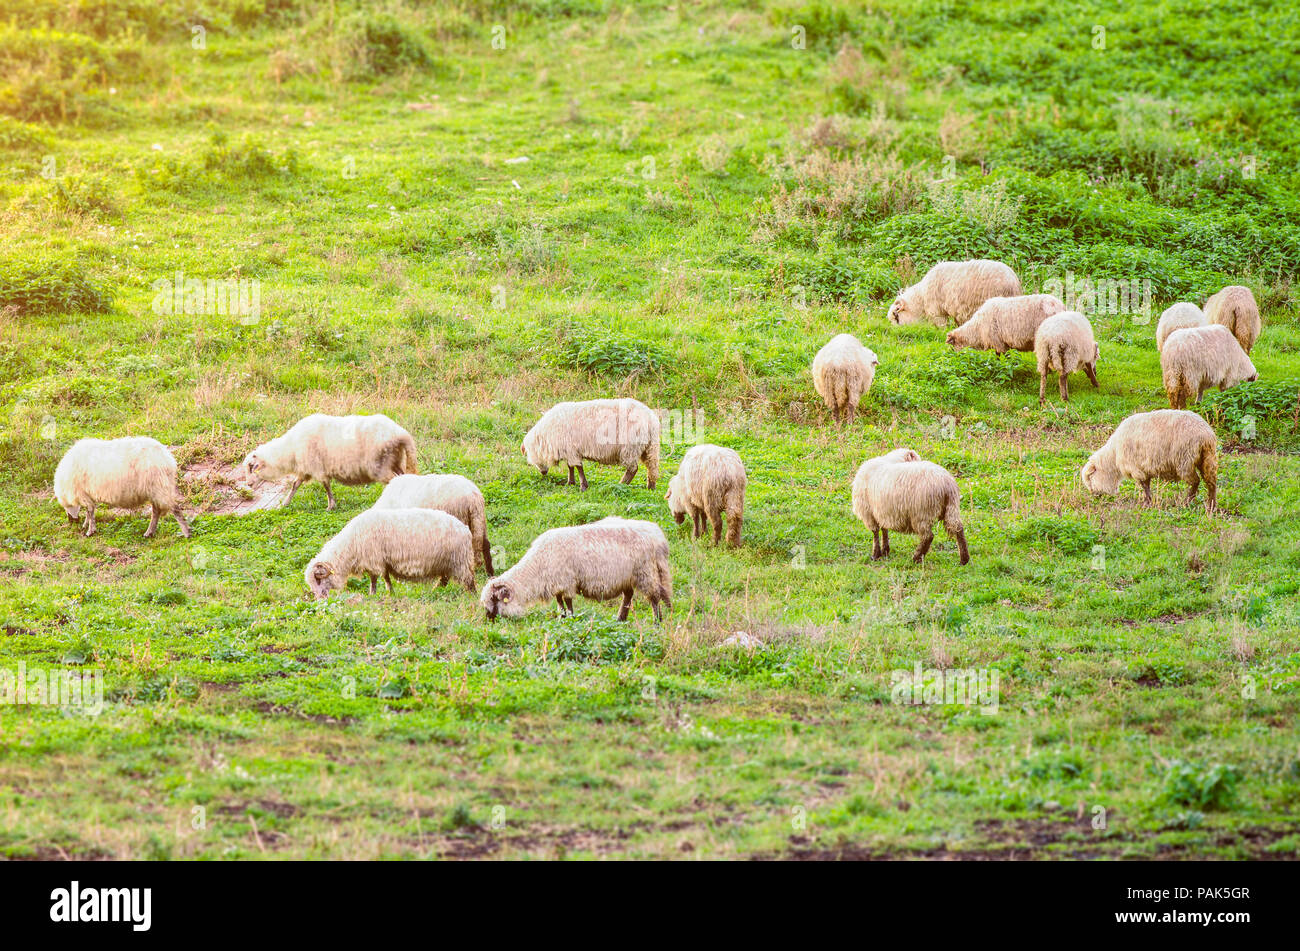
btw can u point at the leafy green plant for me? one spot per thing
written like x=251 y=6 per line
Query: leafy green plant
x=51 y=286
x=1201 y=787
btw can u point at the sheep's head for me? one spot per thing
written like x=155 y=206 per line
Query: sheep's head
x=1099 y=479
x=903 y=310
x=255 y=467
x=73 y=511
x=676 y=499
x=322 y=578
x=532 y=451
x=902 y=455
x=956 y=339
x=499 y=598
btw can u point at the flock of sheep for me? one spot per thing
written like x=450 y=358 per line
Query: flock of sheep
x=434 y=527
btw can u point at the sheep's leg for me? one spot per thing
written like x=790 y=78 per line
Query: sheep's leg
x=568 y=604
x=487 y=557
x=733 y=529
x=1091 y=370
x=1146 y=492
x=582 y=474
x=388 y=580
x=876 y=552
x=374 y=585
x=629 y=473
x=152 y=530
x=927 y=537
x=1193 y=483
x=654 y=603
x=1042 y=387
x=716 y=518
x=571 y=479
x=852 y=410
x=1211 y=494
x=183 y=525
x=697 y=523
x=627 y=605
x=961 y=545
x=329 y=494
x=297 y=484
x=90 y=520
x=884 y=539
x=559 y=599
x=1060 y=382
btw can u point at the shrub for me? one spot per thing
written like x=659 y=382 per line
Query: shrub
x=381 y=44
x=51 y=287
x=1201 y=787
x=601 y=353
x=1235 y=408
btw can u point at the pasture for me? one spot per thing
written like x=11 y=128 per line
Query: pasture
x=459 y=214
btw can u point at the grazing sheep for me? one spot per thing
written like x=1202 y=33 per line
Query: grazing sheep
x=452 y=494
x=1169 y=444
x=711 y=481
x=353 y=450
x=900 y=492
x=953 y=289
x=842 y=374
x=1234 y=307
x=1197 y=358
x=407 y=544
x=1178 y=317
x=598 y=561
x=122 y=473
x=1005 y=323
x=1063 y=344
x=621 y=432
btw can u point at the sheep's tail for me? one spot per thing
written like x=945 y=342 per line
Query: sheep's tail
x=1060 y=356
x=409 y=465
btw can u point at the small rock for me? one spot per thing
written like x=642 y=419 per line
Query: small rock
x=742 y=639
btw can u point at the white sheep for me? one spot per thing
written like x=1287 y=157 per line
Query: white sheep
x=1005 y=323
x=407 y=544
x=353 y=450
x=842 y=374
x=453 y=494
x=710 y=482
x=121 y=473
x=953 y=289
x=1178 y=317
x=598 y=561
x=1169 y=444
x=620 y=432
x=1197 y=358
x=900 y=492
x=1234 y=307
x=1064 y=343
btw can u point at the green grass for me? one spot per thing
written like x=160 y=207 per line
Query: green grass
x=685 y=230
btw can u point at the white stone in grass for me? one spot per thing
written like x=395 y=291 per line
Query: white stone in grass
x=742 y=639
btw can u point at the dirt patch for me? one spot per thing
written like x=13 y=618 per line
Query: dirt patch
x=15 y=564
x=272 y=708
x=282 y=810
x=215 y=488
x=1162 y=619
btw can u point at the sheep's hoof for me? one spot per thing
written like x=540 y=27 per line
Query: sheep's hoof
x=151 y=534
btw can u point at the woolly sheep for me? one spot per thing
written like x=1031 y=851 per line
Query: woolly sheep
x=711 y=481
x=621 y=432
x=1005 y=323
x=1063 y=344
x=407 y=544
x=598 y=561
x=353 y=450
x=452 y=494
x=842 y=374
x=900 y=492
x=1177 y=317
x=1234 y=307
x=1169 y=444
x=1198 y=358
x=953 y=289
x=122 y=473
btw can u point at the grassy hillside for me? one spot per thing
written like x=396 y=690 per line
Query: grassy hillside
x=460 y=213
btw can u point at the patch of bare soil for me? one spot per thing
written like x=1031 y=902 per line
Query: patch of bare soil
x=214 y=488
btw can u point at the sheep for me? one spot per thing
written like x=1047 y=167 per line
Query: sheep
x=123 y=473
x=1177 y=317
x=1197 y=358
x=953 y=289
x=408 y=544
x=900 y=492
x=1005 y=323
x=842 y=374
x=452 y=494
x=711 y=481
x=621 y=432
x=353 y=450
x=598 y=561
x=1234 y=307
x=1168 y=444
x=1064 y=343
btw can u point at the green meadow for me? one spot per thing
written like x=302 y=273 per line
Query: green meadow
x=460 y=213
